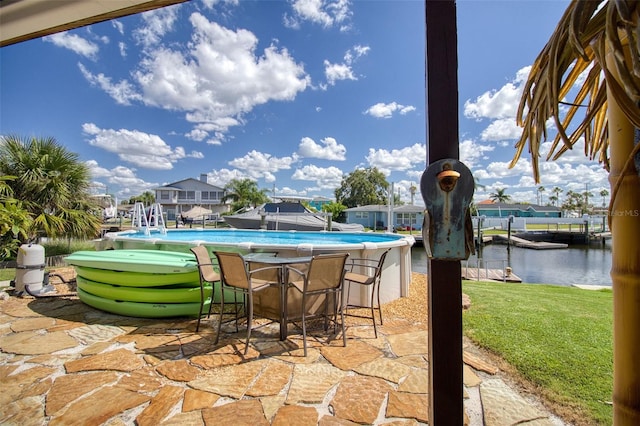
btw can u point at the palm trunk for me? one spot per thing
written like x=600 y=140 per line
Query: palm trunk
x=625 y=269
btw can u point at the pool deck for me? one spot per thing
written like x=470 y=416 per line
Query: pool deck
x=63 y=362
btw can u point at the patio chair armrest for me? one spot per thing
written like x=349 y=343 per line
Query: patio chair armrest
x=266 y=268
x=362 y=263
x=297 y=271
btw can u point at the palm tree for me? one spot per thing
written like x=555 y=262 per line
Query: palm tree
x=540 y=190
x=147 y=198
x=14 y=220
x=244 y=193
x=500 y=196
x=52 y=185
x=595 y=45
x=556 y=192
x=604 y=193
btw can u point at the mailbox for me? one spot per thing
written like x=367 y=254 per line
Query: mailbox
x=447 y=189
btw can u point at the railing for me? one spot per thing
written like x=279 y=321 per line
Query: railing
x=485 y=265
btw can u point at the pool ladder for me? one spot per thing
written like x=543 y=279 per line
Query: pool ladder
x=148 y=220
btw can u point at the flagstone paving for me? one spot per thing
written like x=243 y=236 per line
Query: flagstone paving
x=65 y=363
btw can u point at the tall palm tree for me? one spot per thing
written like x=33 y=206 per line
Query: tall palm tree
x=604 y=193
x=52 y=185
x=244 y=193
x=595 y=45
x=556 y=192
x=540 y=190
x=500 y=196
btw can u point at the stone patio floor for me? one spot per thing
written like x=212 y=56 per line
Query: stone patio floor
x=65 y=363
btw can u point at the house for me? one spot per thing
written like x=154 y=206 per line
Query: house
x=318 y=202
x=376 y=216
x=492 y=209
x=179 y=197
x=408 y=216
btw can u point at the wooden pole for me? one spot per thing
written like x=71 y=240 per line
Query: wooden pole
x=625 y=269
x=445 y=285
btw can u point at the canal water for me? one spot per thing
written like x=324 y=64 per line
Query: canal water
x=589 y=265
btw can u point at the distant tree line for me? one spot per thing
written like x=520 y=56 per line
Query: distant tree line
x=578 y=202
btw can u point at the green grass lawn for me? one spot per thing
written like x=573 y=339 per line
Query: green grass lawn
x=7 y=274
x=558 y=338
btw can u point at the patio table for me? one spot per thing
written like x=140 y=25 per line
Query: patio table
x=263 y=300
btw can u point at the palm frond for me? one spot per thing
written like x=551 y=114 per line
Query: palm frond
x=580 y=42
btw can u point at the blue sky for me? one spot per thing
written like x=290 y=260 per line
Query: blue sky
x=293 y=94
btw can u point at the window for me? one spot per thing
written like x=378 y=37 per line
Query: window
x=362 y=215
x=165 y=195
x=186 y=195
x=211 y=195
x=407 y=218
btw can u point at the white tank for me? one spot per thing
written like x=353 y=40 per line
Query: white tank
x=30 y=267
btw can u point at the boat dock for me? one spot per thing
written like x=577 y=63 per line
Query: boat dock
x=521 y=242
x=472 y=273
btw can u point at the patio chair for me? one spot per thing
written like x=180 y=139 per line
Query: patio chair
x=356 y=275
x=321 y=285
x=207 y=275
x=237 y=278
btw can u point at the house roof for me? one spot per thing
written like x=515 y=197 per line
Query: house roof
x=190 y=183
x=408 y=208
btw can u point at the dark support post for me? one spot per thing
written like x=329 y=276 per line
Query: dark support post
x=445 y=285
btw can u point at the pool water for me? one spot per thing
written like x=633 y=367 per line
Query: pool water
x=265 y=237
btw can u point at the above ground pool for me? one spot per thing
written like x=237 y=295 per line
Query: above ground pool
x=396 y=274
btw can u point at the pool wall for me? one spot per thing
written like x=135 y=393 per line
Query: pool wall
x=396 y=274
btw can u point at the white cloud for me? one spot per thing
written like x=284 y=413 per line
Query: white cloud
x=215 y=79
x=222 y=177
x=142 y=149
x=209 y=4
x=501 y=129
x=123 y=49
x=497 y=104
x=123 y=92
x=382 y=110
x=500 y=107
x=331 y=150
x=501 y=170
x=471 y=152
x=336 y=72
x=261 y=165
x=118 y=25
x=197 y=135
x=95 y=170
x=343 y=71
x=326 y=13
x=122 y=177
x=157 y=23
x=74 y=43
x=397 y=159
x=575 y=155
x=290 y=191
x=325 y=178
